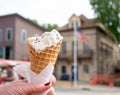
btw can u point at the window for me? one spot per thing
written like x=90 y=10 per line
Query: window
x=1 y=34
x=71 y=24
x=36 y=35
x=106 y=50
x=9 y=34
x=1 y=52
x=86 y=48
x=85 y=68
x=73 y=46
x=63 y=69
x=63 y=47
x=76 y=23
x=23 y=35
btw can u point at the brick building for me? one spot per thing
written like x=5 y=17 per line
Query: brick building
x=100 y=57
x=14 y=30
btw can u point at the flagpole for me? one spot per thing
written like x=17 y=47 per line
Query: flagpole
x=75 y=55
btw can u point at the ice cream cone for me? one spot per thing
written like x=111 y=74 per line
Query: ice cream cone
x=39 y=60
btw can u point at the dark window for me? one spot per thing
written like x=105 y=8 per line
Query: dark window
x=8 y=33
x=1 y=52
x=85 y=68
x=76 y=23
x=85 y=47
x=0 y=34
x=71 y=24
x=106 y=50
x=24 y=35
x=63 y=69
x=63 y=47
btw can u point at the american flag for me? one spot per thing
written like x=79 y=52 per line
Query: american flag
x=81 y=36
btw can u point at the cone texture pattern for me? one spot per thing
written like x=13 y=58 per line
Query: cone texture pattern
x=38 y=61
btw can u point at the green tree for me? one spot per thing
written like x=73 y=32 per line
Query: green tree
x=34 y=21
x=108 y=12
x=50 y=27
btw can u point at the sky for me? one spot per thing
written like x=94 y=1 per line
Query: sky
x=47 y=11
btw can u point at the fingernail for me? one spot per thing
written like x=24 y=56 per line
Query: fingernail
x=47 y=84
x=52 y=83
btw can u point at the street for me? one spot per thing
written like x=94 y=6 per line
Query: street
x=87 y=90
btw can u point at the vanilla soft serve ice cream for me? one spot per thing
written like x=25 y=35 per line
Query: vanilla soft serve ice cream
x=47 y=39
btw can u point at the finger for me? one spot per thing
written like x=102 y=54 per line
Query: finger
x=16 y=82
x=35 y=88
x=23 y=80
x=19 y=82
x=51 y=91
x=53 y=79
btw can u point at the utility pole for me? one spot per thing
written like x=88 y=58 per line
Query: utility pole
x=75 y=54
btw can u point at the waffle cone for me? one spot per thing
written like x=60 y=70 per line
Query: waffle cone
x=40 y=60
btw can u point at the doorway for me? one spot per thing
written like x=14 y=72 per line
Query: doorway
x=8 y=51
x=72 y=69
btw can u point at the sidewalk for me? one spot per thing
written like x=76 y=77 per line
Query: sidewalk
x=98 y=87
x=87 y=86
x=67 y=88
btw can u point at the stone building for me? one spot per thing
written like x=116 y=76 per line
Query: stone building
x=14 y=30
x=100 y=56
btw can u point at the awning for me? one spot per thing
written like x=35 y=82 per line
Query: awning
x=5 y=62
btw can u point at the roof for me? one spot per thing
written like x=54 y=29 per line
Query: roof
x=6 y=62
x=86 y=24
x=27 y=20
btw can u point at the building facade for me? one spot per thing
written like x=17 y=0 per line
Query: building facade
x=14 y=30
x=100 y=56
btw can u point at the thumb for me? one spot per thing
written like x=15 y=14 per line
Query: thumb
x=40 y=87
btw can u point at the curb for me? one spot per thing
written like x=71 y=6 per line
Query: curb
x=64 y=84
